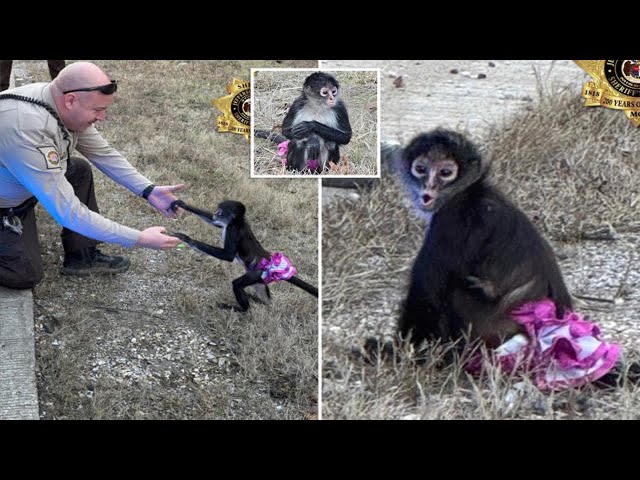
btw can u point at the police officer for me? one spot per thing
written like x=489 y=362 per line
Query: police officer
x=40 y=126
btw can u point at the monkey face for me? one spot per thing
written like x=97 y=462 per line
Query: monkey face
x=435 y=166
x=227 y=212
x=322 y=87
x=330 y=93
x=221 y=218
x=432 y=175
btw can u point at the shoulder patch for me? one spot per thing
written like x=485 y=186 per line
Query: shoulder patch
x=51 y=157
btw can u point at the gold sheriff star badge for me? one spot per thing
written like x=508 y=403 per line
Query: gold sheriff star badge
x=616 y=85
x=235 y=108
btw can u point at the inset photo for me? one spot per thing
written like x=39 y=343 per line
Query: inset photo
x=310 y=122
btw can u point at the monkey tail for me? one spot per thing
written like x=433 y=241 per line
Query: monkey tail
x=271 y=136
x=307 y=287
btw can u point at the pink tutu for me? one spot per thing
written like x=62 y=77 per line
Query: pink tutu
x=561 y=353
x=276 y=269
x=283 y=148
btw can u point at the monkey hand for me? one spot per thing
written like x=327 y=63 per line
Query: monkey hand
x=157 y=239
x=485 y=288
x=182 y=236
x=302 y=129
x=161 y=198
x=175 y=204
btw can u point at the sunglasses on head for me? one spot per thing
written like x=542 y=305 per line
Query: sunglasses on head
x=108 y=89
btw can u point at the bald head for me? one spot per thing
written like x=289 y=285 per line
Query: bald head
x=79 y=75
x=79 y=110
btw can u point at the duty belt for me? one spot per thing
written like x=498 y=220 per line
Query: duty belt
x=10 y=217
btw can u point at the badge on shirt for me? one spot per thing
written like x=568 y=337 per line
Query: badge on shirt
x=51 y=157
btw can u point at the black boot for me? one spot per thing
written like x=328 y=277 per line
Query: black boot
x=92 y=261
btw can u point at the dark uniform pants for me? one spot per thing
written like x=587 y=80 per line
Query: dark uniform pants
x=5 y=71
x=20 y=260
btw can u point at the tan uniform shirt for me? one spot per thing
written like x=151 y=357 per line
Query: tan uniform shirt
x=33 y=161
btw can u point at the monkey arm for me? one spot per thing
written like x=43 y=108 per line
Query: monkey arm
x=287 y=123
x=302 y=130
x=331 y=134
x=228 y=253
x=340 y=135
x=206 y=216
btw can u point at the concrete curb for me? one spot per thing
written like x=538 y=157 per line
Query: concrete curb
x=18 y=387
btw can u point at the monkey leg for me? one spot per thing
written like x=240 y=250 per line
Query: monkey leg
x=619 y=375
x=419 y=321
x=485 y=288
x=334 y=155
x=303 y=151
x=296 y=155
x=377 y=349
x=239 y=284
x=313 y=147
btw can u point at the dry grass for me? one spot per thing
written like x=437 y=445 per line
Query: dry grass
x=570 y=169
x=580 y=163
x=275 y=91
x=406 y=391
x=151 y=343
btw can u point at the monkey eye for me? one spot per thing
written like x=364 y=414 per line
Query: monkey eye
x=446 y=173
x=324 y=92
x=334 y=92
x=419 y=169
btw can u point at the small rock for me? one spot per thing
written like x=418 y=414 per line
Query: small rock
x=411 y=416
x=491 y=64
x=539 y=406
x=453 y=71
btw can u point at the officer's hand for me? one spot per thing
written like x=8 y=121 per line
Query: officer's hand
x=162 y=196
x=156 y=238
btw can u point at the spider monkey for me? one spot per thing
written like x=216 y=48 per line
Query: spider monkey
x=481 y=256
x=316 y=125
x=240 y=244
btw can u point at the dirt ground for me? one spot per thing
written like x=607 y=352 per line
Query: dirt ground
x=430 y=94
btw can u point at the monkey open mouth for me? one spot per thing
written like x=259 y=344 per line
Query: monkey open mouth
x=428 y=200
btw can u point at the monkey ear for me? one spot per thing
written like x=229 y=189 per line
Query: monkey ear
x=241 y=210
